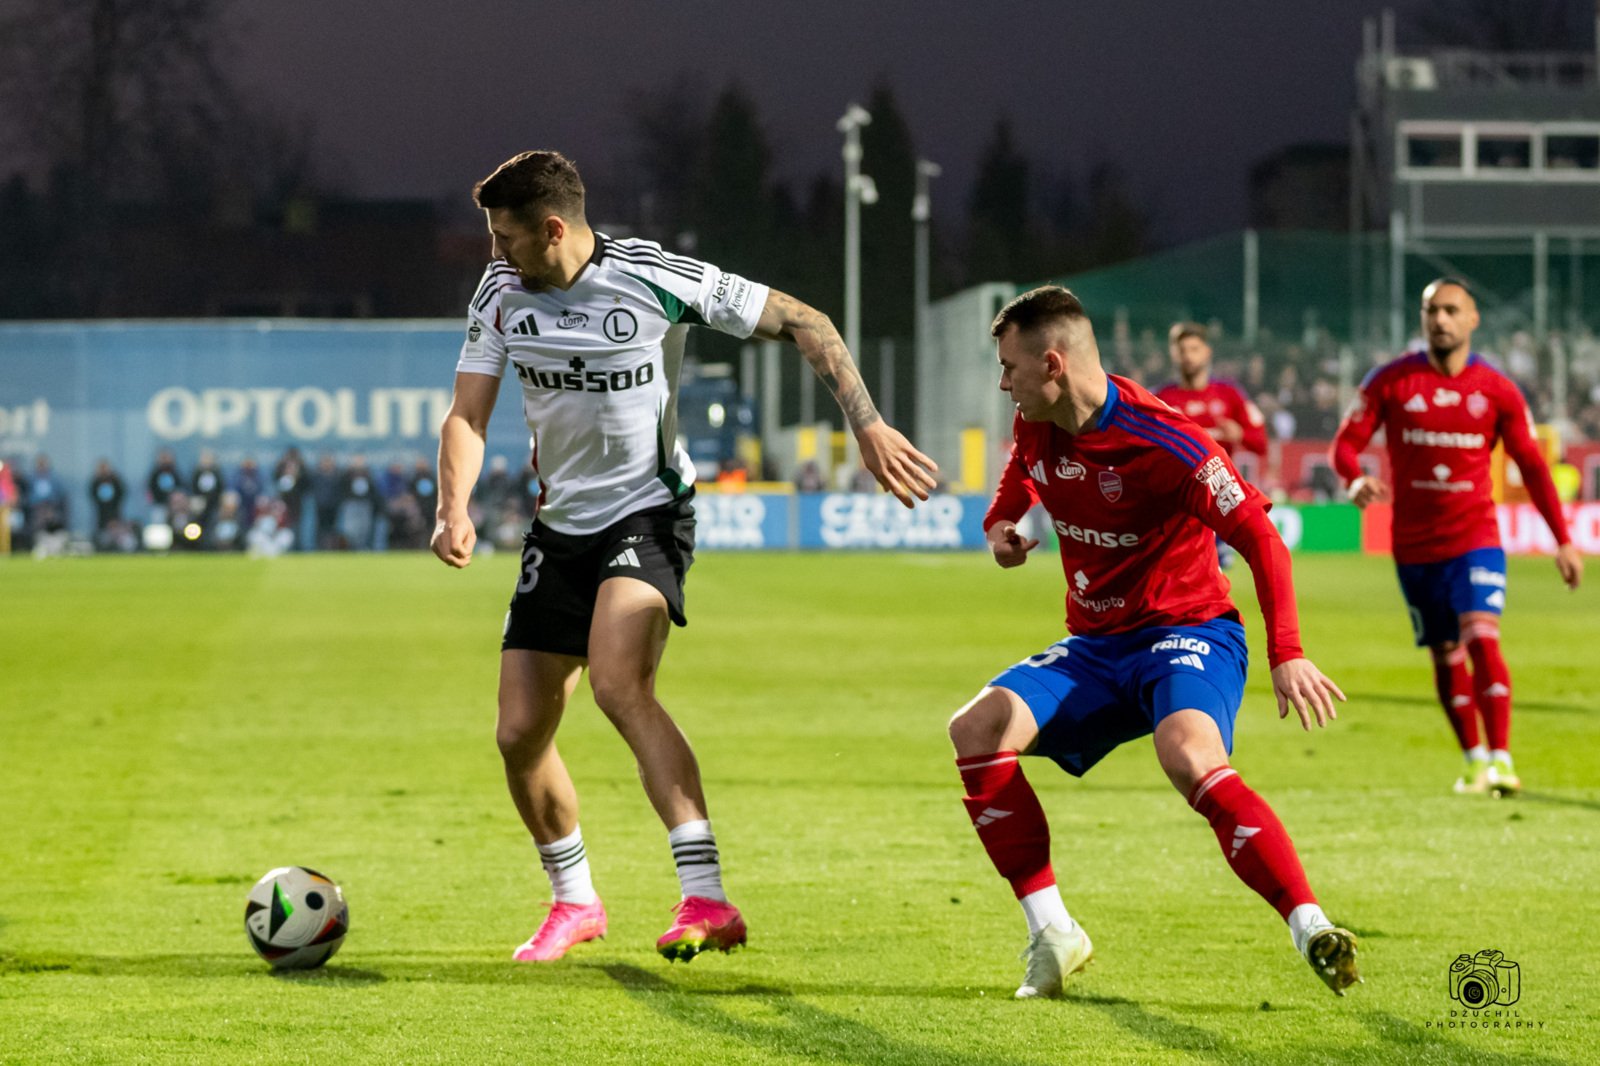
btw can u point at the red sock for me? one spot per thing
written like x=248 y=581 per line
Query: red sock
x=1254 y=841
x=1454 y=685
x=1009 y=820
x=1492 y=681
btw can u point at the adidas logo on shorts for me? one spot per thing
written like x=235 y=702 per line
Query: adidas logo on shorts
x=628 y=557
x=1189 y=660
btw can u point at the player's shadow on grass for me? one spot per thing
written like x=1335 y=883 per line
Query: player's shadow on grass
x=1562 y=801
x=1447 y=1046
x=1432 y=702
x=202 y=966
x=796 y=1029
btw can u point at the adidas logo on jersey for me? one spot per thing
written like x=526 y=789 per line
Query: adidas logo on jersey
x=525 y=328
x=1241 y=837
x=1189 y=660
x=991 y=815
x=1417 y=403
x=629 y=557
x=1036 y=471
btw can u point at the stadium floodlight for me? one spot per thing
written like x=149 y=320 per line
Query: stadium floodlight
x=922 y=215
x=858 y=189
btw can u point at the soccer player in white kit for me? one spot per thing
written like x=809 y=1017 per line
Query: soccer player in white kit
x=593 y=328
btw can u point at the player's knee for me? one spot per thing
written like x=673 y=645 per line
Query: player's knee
x=516 y=738
x=621 y=696
x=1480 y=628
x=978 y=727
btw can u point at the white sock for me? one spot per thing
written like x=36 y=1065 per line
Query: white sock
x=1305 y=921
x=567 y=863
x=1501 y=755
x=1045 y=907
x=1477 y=753
x=694 y=850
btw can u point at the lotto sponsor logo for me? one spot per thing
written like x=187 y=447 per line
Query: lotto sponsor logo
x=1443 y=397
x=1095 y=537
x=1225 y=488
x=1070 y=470
x=1194 y=644
x=1434 y=439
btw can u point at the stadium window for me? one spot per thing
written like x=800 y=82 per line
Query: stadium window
x=1434 y=151
x=1504 y=152
x=1570 y=151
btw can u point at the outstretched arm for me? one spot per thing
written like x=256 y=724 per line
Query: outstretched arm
x=1296 y=681
x=1524 y=451
x=897 y=465
x=461 y=444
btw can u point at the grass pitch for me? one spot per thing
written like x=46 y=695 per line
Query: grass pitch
x=171 y=728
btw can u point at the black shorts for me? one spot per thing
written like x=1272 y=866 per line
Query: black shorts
x=561 y=573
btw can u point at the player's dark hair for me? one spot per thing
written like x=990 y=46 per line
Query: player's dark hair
x=1181 y=330
x=534 y=185
x=1451 y=279
x=1036 y=307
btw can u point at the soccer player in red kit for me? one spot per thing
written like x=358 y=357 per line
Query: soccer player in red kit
x=1218 y=407
x=1442 y=410
x=1134 y=492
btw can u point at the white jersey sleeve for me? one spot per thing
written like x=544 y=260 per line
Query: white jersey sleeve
x=484 y=350
x=704 y=294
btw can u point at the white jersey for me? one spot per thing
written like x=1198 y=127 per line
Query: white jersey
x=599 y=369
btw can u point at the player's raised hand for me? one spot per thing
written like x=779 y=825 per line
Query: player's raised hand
x=896 y=463
x=1570 y=565
x=1010 y=548
x=1369 y=489
x=1300 y=683
x=453 y=540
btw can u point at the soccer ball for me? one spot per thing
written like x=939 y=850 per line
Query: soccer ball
x=296 y=918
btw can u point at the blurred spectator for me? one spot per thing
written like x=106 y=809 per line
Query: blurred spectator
x=10 y=506
x=326 y=490
x=732 y=475
x=106 y=493
x=1321 y=421
x=289 y=478
x=184 y=520
x=358 y=504
x=205 y=488
x=226 y=533
x=1520 y=361
x=47 y=503
x=425 y=489
x=863 y=481
x=247 y=482
x=497 y=489
x=271 y=533
x=808 y=478
x=164 y=479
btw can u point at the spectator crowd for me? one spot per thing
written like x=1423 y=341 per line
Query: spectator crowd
x=339 y=503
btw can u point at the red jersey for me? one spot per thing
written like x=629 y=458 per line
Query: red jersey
x=1440 y=431
x=1207 y=408
x=1134 y=500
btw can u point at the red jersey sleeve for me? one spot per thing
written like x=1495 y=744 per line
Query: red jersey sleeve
x=1515 y=427
x=1250 y=419
x=1015 y=494
x=1355 y=432
x=1216 y=494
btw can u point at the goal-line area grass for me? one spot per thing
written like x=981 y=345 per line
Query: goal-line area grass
x=171 y=728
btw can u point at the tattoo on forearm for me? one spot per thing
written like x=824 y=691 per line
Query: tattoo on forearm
x=817 y=339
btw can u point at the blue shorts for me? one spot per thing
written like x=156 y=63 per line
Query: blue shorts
x=1438 y=594
x=1090 y=694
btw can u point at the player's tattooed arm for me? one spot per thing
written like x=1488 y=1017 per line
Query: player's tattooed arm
x=885 y=452
x=787 y=319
